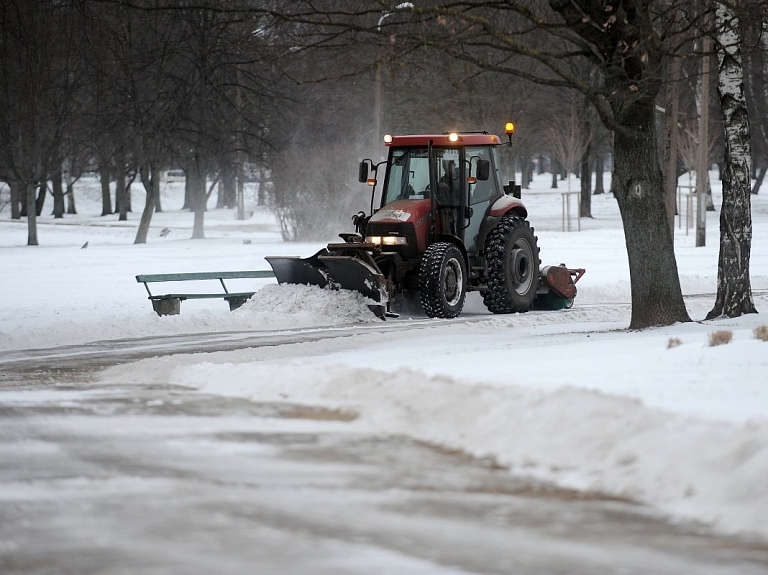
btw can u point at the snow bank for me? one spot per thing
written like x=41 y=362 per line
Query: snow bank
x=272 y=307
x=687 y=466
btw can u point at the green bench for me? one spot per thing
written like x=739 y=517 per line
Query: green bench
x=170 y=303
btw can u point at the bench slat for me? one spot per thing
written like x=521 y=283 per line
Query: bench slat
x=150 y=278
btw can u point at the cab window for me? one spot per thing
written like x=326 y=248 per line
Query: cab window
x=408 y=175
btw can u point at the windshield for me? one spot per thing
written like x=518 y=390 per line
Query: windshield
x=409 y=172
x=408 y=175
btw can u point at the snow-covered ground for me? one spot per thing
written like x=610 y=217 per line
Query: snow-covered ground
x=568 y=397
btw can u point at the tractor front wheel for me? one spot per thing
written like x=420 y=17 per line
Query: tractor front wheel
x=443 y=280
x=512 y=261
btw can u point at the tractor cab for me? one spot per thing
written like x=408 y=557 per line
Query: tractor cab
x=450 y=178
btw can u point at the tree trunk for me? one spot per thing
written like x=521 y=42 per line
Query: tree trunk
x=196 y=186
x=762 y=122
x=240 y=192
x=106 y=195
x=599 y=172
x=671 y=100
x=227 y=197
x=555 y=172
x=158 y=203
x=734 y=293
x=58 y=193
x=121 y=201
x=262 y=183
x=42 y=194
x=151 y=183
x=527 y=175
x=16 y=199
x=759 y=180
x=128 y=206
x=637 y=183
x=31 y=205
x=702 y=156
x=189 y=203
x=585 y=209
x=71 y=209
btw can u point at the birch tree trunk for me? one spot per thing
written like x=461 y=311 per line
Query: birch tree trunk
x=734 y=294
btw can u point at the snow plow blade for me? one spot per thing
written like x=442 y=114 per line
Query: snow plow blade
x=296 y=270
x=352 y=273
x=335 y=272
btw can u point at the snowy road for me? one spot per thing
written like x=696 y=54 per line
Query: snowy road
x=301 y=435
x=110 y=352
x=105 y=353
x=156 y=479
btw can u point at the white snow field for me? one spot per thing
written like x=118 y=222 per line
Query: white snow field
x=569 y=396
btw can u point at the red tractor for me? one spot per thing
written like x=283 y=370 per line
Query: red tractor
x=445 y=226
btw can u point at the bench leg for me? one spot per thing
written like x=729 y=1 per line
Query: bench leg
x=170 y=306
x=235 y=302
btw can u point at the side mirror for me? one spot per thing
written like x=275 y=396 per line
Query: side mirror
x=363 y=172
x=483 y=169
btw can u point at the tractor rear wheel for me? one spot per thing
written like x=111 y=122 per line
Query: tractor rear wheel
x=443 y=280
x=512 y=259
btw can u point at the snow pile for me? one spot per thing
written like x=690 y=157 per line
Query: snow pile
x=301 y=305
x=688 y=466
x=271 y=307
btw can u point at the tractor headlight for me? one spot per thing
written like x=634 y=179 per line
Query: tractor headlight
x=387 y=240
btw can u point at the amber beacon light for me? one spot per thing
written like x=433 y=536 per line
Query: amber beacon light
x=509 y=129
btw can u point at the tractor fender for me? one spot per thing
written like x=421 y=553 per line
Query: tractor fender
x=506 y=204
x=501 y=207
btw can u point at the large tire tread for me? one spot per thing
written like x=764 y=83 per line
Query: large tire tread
x=500 y=297
x=433 y=297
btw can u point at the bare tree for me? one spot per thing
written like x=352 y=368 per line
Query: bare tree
x=568 y=140
x=734 y=293
x=35 y=52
